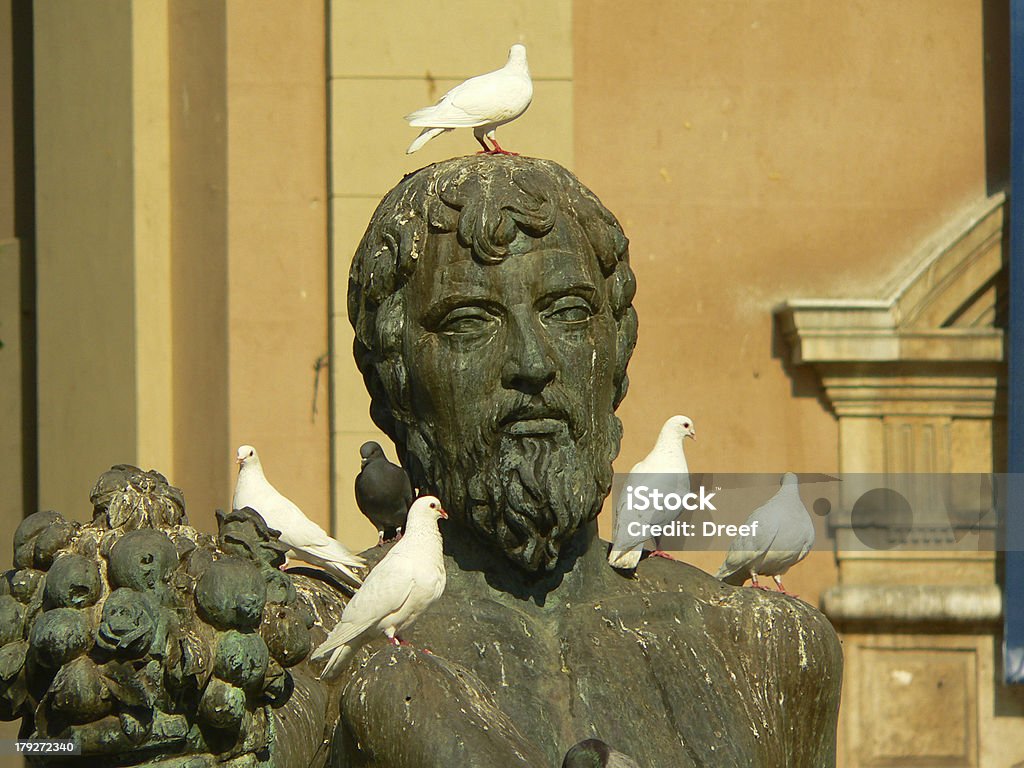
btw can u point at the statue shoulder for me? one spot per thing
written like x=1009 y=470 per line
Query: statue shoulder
x=774 y=649
x=760 y=618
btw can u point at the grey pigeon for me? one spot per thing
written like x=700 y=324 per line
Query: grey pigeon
x=407 y=580
x=482 y=103
x=664 y=468
x=308 y=541
x=783 y=537
x=383 y=492
x=594 y=753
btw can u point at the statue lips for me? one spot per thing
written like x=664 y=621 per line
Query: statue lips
x=535 y=427
x=535 y=421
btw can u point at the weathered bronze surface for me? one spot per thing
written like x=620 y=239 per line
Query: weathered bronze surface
x=492 y=303
x=491 y=299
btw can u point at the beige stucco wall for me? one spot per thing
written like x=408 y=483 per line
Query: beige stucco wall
x=197 y=97
x=84 y=190
x=277 y=243
x=182 y=245
x=6 y=125
x=11 y=481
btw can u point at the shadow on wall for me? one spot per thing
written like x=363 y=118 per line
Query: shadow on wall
x=803 y=381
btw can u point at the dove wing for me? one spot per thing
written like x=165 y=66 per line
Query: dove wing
x=302 y=534
x=621 y=538
x=643 y=474
x=747 y=550
x=478 y=101
x=377 y=599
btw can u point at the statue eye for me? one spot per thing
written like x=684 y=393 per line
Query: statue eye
x=465 y=320
x=569 y=309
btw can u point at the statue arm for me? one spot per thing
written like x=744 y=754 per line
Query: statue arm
x=410 y=709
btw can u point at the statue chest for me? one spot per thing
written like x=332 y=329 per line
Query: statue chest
x=649 y=675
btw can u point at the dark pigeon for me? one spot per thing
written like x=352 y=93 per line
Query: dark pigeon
x=594 y=753
x=383 y=491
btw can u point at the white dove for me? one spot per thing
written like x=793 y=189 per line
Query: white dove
x=663 y=468
x=406 y=581
x=482 y=103
x=783 y=536
x=308 y=540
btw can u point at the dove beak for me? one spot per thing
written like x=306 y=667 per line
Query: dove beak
x=238 y=460
x=443 y=514
x=692 y=434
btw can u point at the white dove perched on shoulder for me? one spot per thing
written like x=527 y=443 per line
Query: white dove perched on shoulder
x=783 y=536
x=665 y=468
x=406 y=581
x=482 y=103
x=308 y=540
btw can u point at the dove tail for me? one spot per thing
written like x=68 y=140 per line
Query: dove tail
x=625 y=559
x=342 y=570
x=338 y=661
x=736 y=578
x=425 y=135
x=331 y=561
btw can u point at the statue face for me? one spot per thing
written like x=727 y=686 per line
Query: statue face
x=511 y=380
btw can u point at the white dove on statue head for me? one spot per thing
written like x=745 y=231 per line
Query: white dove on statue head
x=482 y=103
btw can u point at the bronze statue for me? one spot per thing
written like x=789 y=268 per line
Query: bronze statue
x=492 y=303
x=491 y=300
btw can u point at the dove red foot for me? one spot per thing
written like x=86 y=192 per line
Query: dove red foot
x=782 y=589
x=661 y=553
x=495 y=150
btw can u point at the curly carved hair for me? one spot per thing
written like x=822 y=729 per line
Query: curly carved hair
x=487 y=202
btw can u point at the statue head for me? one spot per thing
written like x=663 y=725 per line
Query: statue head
x=491 y=299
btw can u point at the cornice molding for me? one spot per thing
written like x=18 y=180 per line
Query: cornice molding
x=942 y=311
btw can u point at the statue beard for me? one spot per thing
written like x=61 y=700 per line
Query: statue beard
x=527 y=493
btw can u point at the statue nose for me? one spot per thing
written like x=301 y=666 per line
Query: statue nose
x=528 y=364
